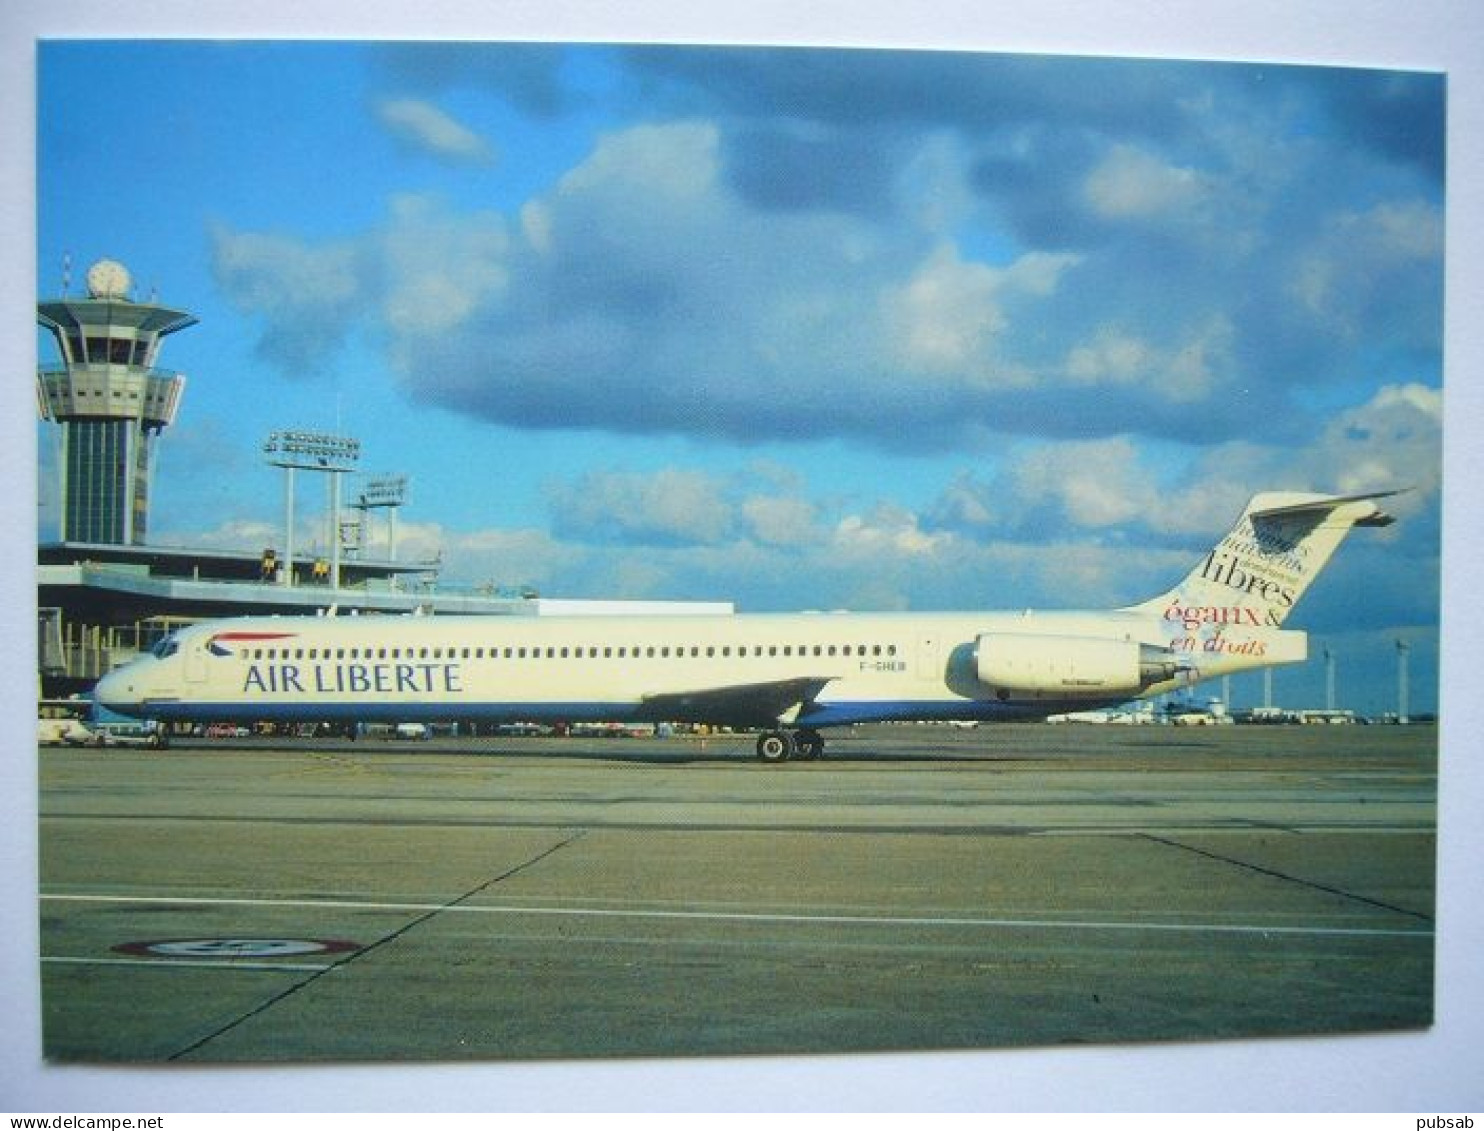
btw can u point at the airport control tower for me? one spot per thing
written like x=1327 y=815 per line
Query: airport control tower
x=111 y=402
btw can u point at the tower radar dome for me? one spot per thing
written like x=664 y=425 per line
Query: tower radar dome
x=108 y=279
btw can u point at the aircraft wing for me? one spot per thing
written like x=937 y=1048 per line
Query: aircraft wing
x=737 y=705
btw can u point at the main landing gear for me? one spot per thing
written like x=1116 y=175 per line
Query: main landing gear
x=781 y=745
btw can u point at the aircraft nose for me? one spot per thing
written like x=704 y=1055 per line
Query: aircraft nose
x=117 y=691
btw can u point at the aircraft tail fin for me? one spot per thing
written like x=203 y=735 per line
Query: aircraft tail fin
x=1256 y=574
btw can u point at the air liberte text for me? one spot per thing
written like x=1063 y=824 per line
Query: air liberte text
x=330 y=679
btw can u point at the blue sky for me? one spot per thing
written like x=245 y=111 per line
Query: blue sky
x=793 y=328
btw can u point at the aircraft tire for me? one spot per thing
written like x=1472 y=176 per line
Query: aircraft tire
x=775 y=746
x=809 y=745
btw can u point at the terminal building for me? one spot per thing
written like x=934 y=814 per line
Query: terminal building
x=104 y=592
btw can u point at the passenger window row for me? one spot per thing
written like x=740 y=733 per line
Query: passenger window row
x=578 y=652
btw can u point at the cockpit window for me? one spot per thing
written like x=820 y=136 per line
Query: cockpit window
x=167 y=647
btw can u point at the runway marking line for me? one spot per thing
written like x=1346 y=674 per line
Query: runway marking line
x=425 y=914
x=1285 y=877
x=752 y=916
x=219 y=964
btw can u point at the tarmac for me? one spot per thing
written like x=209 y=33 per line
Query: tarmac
x=920 y=888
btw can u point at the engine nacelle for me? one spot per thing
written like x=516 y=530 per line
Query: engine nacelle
x=1067 y=667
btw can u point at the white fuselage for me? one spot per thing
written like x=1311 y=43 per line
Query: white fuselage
x=858 y=667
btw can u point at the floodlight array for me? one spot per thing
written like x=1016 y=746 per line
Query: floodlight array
x=383 y=491
x=312 y=451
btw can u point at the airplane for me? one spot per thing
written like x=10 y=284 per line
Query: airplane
x=787 y=675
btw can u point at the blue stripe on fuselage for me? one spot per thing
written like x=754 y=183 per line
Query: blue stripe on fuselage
x=816 y=715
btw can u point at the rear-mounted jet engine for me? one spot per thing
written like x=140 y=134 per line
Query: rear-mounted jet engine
x=1022 y=665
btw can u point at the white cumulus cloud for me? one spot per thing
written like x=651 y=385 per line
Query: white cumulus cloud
x=946 y=317
x=1131 y=183
x=425 y=127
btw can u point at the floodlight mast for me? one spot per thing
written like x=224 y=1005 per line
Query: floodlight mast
x=312 y=451
x=1403 y=706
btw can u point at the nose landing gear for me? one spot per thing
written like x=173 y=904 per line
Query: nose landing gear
x=781 y=745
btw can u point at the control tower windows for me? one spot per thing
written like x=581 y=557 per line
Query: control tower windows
x=114 y=351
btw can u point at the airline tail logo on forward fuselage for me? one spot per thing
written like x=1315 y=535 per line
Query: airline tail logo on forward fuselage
x=222 y=643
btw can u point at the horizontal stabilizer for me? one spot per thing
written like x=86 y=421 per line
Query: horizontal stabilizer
x=1321 y=506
